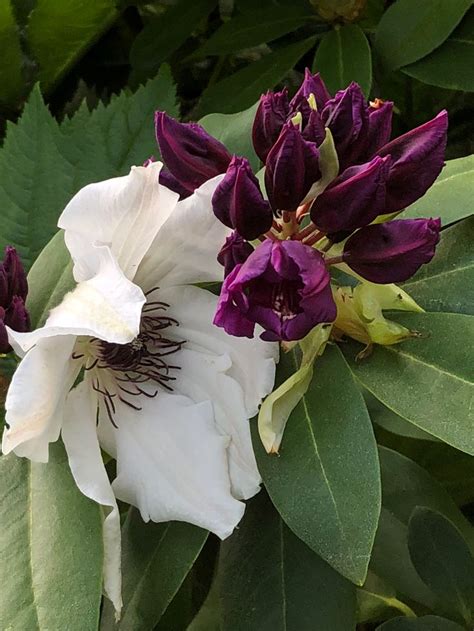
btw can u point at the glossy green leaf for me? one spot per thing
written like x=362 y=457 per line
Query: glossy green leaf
x=425 y=623
x=11 y=57
x=427 y=381
x=329 y=497
x=376 y=598
x=443 y=560
x=410 y=30
x=450 y=197
x=343 y=56
x=155 y=561
x=50 y=545
x=450 y=65
x=271 y=581
x=59 y=33
x=239 y=90
x=234 y=131
x=258 y=27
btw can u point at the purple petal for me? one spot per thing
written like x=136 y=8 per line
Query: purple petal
x=380 y=126
x=16 y=277
x=312 y=84
x=16 y=316
x=270 y=117
x=314 y=130
x=4 y=343
x=392 y=252
x=234 y=252
x=167 y=179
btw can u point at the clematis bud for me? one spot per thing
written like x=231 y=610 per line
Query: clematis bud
x=234 y=251
x=380 y=126
x=189 y=152
x=239 y=203
x=271 y=115
x=312 y=84
x=292 y=167
x=417 y=160
x=283 y=286
x=392 y=252
x=354 y=199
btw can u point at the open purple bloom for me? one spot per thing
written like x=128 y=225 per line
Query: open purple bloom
x=239 y=203
x=283 y=286
x=13 y=292
x=191 y=154
x=234 y=251
x=292 y=167
x=392 y=252
x=270 y=117
x=354 y=199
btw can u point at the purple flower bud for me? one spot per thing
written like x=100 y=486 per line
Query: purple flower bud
x=168 y=179
x=283 y=286
x=16 y=316
x=314 y=130
x=4 y=343
x=380 y=126
x=292 y=167
x=270 y=117
x=234 y=251
x=238 y=201
x=417 y=160
x=16 y=277
x=4 y=289
x=392 y=252
x=189 y=152
x=354 y=199
x=312 y=84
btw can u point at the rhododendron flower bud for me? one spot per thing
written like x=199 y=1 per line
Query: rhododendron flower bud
x=239 y=203
x=380 y=126
x=314 y=130
x=191 y=154
x=234 y=251
x=168 y=179
x=271 y=115
x=312 y=84
x=13 y=292
x=392 y=252
x=283 y=286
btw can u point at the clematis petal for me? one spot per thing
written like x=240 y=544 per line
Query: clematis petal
x=79 y=435
x=186 y=247
x=35 y=399
x=172 y=464
x=124 y=213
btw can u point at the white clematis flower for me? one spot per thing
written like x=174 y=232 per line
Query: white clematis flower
x=164 y=391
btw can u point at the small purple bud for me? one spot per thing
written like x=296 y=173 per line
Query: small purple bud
x=292 y=167
x=4 y=343
x=392 y=252
x=17 y=283
x=191 y=154
x=312 y=84
x=354 y=199
x=417 y=160
x=4 y=290
x=234 y=251
x=270 y=117
x=239 y=203
x=283 y=286
x=380 y=126
x=16 y=316
x=314 y=130
x=167 y=179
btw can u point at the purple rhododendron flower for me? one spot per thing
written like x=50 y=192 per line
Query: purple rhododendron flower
x=272 y=114
x=13 y=292
x=234 y=251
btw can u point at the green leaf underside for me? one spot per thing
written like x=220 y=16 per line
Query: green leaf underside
x=50 y=545
x=425 y=623
x=410 y=30
x=343 y=56
x=433 y=390
x=11 y=58
x=270 y=580
x=329 y=498
x=450 y=197
x=155 y=561
x=447 y=283
x=443 y=560
x=241 y=89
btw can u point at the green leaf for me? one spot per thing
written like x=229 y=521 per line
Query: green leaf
x=51 y=547
x=155 y=561
x=251 y=29
x=426 y=381
x=234 y=131
x=443 y=560
x=343 y=56
x=450 y=197
x=270 y=580
x=447 y=283
x=450 y=65
x=410 y=30
x=329 y=497
x=239 y=90
x=61 y=32
x=425 y=623
x=375 y=598
x=11 y=78
x=164 y=34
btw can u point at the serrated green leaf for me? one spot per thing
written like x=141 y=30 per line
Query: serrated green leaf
x=299 y=591
x=155 y=561
x=426 y=381
x=443 y=560
x=325 y=483
x=239 y=90
x=51 y=547
x=11 y=58
x=447 y=283
x=61 y=32
x=343 y=56
x=425 y=623
x=410 y=30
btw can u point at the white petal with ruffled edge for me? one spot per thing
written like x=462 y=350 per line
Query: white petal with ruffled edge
x=124 y=213
x=85 y=460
